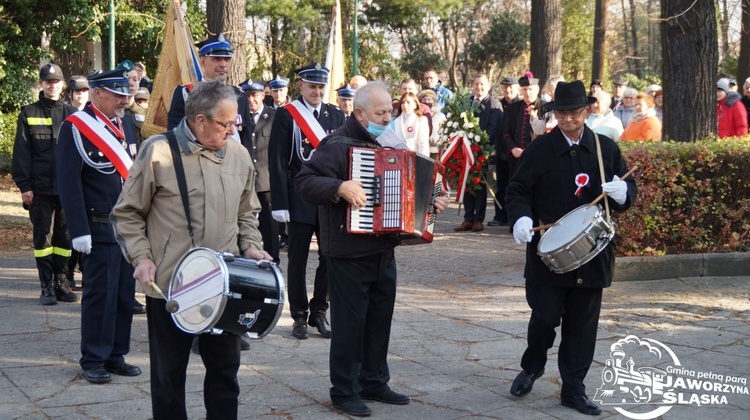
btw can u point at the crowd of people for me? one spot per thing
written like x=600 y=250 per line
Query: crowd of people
x=251 y=171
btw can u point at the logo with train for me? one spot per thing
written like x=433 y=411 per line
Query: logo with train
x=643 y=379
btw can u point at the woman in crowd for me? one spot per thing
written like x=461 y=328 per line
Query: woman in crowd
x=658 y=104
x=429 y=98
x=730 y=112
x=602 y=120
x=411 y=126
x=546 y=122
x=643 y=123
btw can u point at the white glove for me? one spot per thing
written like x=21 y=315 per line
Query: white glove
x=522 y=230
x=82 y=244
x=616 y=189
x=281 y=216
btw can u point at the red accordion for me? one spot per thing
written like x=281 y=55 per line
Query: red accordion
x=401 y=187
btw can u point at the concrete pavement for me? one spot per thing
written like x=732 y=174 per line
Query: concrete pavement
x=458 y=334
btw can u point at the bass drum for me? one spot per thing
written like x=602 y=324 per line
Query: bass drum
x=218 y=292
x=575 y=239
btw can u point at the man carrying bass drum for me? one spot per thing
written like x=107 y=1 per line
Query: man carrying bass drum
x=545 y=188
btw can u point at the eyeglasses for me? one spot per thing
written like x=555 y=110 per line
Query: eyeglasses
x=224 y=125
x=628 y=97
x=561 y=115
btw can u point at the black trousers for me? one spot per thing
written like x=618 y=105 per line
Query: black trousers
x=363 y=294
x=169 y=353
x=50 y=233
x=501 y=174
x=269 y=228
x=578 y=309
x=300 y=235
x=106 y=306
x=475 y=205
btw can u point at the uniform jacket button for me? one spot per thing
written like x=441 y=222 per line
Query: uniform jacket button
x=579 y=281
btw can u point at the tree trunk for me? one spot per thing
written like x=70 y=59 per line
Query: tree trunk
x=228 y=17
x=628 y=59
x=634 y=35
x=743 y=62
x=690 y=48
x=724 y=52
x=546 y=38
x=600 y=36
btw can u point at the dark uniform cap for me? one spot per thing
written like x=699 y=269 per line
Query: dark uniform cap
x=115 y=81
x=215 y=46
x=570 y=96
x=620 y=82
x=528 y=81
x=278 y=82
x=510 y=81
x=78 y=83
x=142 y=94
x=252 y=86
x=126 y=65
x=51 y=72
x=346 y=91
x=313 y=73
x=596 y=82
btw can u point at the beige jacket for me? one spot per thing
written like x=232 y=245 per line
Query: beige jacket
x=149 y=217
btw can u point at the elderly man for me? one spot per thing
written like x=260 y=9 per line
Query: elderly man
x=150 y=223
x=545 y=188
x=357 y=81
x=258 y=127
x=362 y=268
x=516 y=133
x=345 y=99
x=296 y=132
x=94 y=152
x=33 y=171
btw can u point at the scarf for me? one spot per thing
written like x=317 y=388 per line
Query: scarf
x=643 y=115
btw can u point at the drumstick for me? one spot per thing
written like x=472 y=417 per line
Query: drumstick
x=172 y=305
x=547 y=226
x=602 y=195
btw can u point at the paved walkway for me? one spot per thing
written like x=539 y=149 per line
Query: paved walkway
x=458 y=333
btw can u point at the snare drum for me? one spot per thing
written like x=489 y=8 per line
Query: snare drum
x=221 y=293
x=575 y=239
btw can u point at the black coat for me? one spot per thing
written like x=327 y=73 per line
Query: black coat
x=257 y=142
x=319 y=180
x=510 y=136
x=86 y=191
x=491 y=117
x=285 y=162
x=543 y=189
x=33 y=164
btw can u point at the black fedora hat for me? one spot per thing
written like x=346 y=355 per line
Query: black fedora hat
x=570 y=96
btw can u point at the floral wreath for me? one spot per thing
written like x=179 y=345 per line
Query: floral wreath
x=467 y=150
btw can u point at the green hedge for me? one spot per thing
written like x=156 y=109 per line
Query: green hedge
x=7 y=137
x=692 y=198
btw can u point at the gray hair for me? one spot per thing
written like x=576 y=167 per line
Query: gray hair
x=205 y=98
x=602 y=97
x=362 y=97
x=630 y=92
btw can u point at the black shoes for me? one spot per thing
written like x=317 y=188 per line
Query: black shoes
x=96 y=375
x=138 y=308
x=299 y=329
x=48 y=295
x=122 y=369
x=320 y=322
x=353 y=408
x=63 y=293
x=524 y=382
x=582 y=404
x=244 y=345
x=388 y=397
x=494 y=222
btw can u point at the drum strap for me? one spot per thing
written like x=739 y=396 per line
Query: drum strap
x=601 y=172
x=181 y=181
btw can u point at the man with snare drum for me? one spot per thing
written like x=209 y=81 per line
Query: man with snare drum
x=559 y=172
x=153 y=231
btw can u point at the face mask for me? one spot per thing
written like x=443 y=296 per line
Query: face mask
x=546 y=97
x=376 y=129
